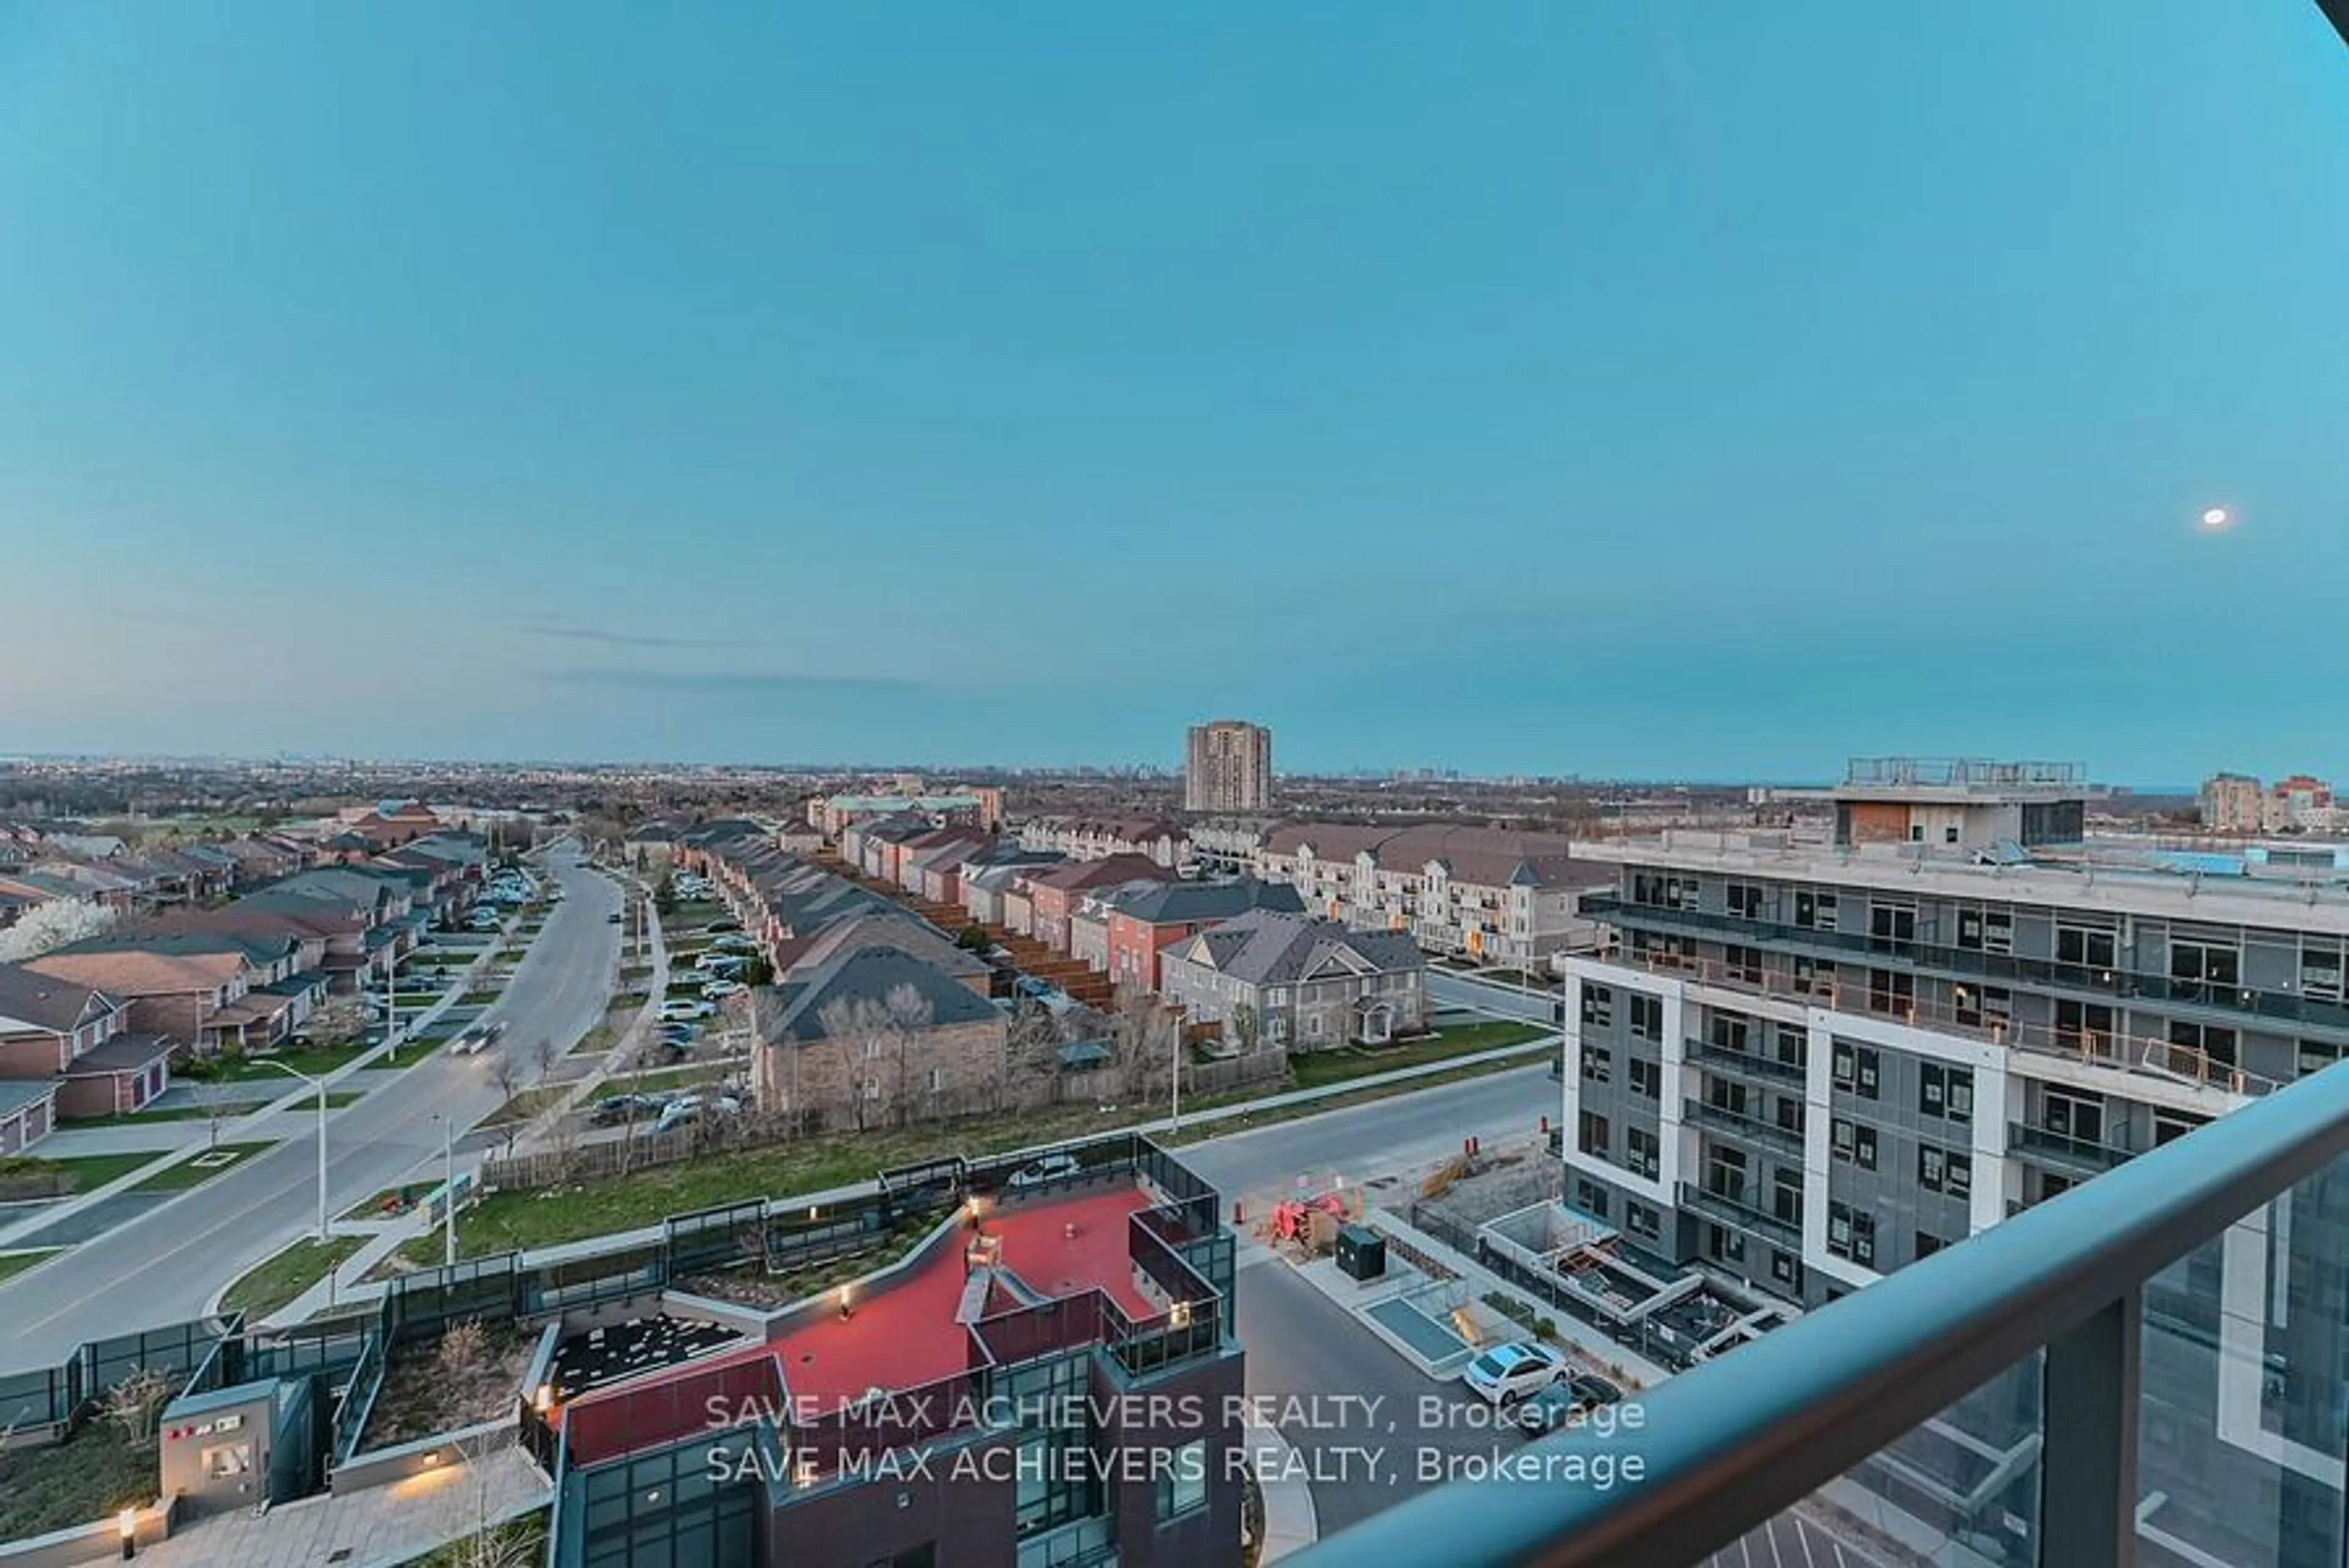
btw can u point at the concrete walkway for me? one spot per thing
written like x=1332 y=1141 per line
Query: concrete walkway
x=1290 y=1520
x=1637 y=1371
x=382 y=1525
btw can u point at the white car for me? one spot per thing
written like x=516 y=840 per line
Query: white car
x=720 y=989
x=1508 y=1373
x=717 y=963
x=684 y=1010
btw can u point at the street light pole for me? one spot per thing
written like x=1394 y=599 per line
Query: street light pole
x=319 y=1084
x=448 y=1189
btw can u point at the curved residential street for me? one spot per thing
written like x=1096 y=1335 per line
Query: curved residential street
x=166 y=1265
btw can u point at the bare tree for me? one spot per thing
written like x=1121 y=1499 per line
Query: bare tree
x=133 y=1404
x=338 y=1020
x=1031 y=1058
x=1143 y=1036
x=874 y=1038
x=44 y=928
x=542 y=1058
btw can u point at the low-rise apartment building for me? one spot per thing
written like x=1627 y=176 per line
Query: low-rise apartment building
x=1165 y=843
x=1808 y=1064
x=1274 y=979
x=1496 y=896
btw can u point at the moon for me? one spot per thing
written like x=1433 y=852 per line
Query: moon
x=2217 y=517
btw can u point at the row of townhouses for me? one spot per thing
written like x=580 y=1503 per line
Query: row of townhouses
x=90 y=1026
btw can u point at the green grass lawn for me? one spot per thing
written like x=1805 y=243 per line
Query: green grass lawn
x=1201 y=1131
x=271 y=1284
x=79 y=1481
x=506 y=1220
x=373 y=1209
x=188 y=1173
x=92 y=1172
x=14 y=1263
x=317 y=1061
x=526 y=1104
x=175 y=1114
x=1319 y=1068
x=479 y=996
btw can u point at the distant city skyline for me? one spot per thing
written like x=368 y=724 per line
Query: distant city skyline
x=1638 y=393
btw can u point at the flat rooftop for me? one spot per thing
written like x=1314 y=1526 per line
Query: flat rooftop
x=901 y=1334
x=2123 y=879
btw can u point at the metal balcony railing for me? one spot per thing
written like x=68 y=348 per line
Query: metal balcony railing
x=2070 y=1150
x=1737 y=1124
x=1748 y=1063
x=1733 y=1444
x=1736 y=1212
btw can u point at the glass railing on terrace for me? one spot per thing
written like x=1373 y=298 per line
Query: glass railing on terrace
x=2149 y=1369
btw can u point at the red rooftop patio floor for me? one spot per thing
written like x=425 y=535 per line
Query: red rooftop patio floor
x=906 y=1335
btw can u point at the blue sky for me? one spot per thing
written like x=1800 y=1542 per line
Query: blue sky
x=1677 y=389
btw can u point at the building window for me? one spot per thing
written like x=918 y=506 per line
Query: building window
x=1892 y=991
x=1787 y=1270
x=1724 y=1173
x=1790 y=1115
x=1851 y=1234
x=1928 y=1244
x=1786 y=1196
x=1183 y=1486
x=1643 y=1152
x=1794 y=1046
x=1808 y=982
x=1745 y=966
x=1597 y=1006
x=1594 y=1138
x=2169 y=1125
x=1857 y=1069
x=1845 y=1065
x=2320 y=969
x=1590 y=1198
x=2208 y=1050
x=1597 y=1063
x=1731 y=1032
x=2088 y=947
x=1815 y=909
x=1726 y=1245
x=1647 y=1017
x=1642 y=1221
x=1745 y=900
x=1892 y=927
x=1647 y=1078
x=2202 y=969
x=2085 y=1026
x=937 y=1080
x=1946 y=1091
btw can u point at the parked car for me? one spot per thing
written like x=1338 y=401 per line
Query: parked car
x=714 y=963
x=686 y=1010
x=616 y=1110
x=1052 y=1167
x=1566 y=1402
x=720 y=989
x=719 y=927
x=1508 y=1373
x=735 y=943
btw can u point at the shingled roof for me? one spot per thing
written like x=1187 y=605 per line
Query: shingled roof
x=870 y=974
x=1268 y=946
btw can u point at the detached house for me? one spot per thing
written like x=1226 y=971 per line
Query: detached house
x=1309 y=984
x=69 y=1050
x=183 y=996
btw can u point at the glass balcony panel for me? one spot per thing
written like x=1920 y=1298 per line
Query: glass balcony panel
x=1960 y=1491
x=2241 y=1422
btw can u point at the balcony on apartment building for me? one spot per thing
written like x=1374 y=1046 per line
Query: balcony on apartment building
x=2169 y=1060
x=2223 y=996
x=2109 y=1377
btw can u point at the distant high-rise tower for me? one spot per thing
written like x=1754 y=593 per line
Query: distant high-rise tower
x=1227 y=767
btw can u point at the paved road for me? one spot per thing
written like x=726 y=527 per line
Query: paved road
x=1446 y=989
x=168 y=1265
x=1396 y=1133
